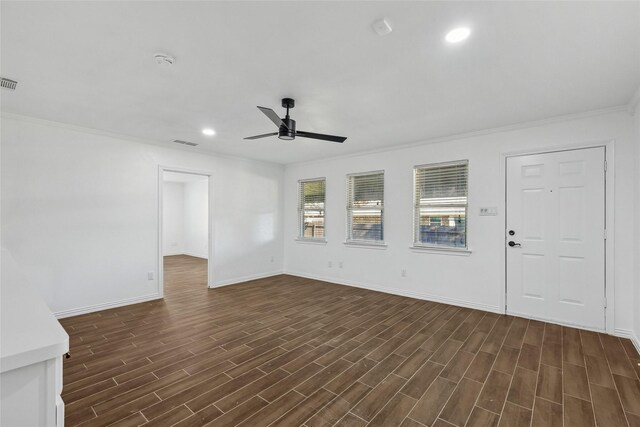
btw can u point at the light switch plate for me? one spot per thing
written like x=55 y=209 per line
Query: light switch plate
x=489 y=211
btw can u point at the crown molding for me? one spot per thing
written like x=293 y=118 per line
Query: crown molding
x=472 y=134
x=155 y=143
x=630 y=108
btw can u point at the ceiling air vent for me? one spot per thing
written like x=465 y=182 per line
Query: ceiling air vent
x=179 y=141
x=8 y=83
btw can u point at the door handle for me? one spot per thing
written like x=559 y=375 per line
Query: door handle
x=513 y=244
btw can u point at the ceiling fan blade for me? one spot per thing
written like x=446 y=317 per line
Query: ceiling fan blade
x=324 y=137
x=273 y=116
x=264 y=135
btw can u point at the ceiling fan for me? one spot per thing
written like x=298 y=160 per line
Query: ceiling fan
x=287 y=126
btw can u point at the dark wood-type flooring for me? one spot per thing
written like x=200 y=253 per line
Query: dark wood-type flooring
x=288 y=351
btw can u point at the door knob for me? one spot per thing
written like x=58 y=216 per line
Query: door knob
x=512 y=244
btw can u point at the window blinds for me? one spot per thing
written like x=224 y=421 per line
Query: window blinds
x=311 y=199
x=365 y=207
x=441 y=204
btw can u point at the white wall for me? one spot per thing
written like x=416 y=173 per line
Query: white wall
x=185 y=220
x=636 y=328
x=173 y=218
x=476 y=280
x=80 y=213
x=196 y=223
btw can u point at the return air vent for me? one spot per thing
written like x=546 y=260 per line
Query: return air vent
x=8 y=83
x=179 y=141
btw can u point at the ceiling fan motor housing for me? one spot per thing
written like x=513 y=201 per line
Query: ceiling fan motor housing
x=289 y=132
x=288 y=103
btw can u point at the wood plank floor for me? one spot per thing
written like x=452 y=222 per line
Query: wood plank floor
x=288 y=351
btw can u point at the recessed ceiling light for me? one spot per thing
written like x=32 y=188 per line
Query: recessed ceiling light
x=208 y=131
x=458 y=34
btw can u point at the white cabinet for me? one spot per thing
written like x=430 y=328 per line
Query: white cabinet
x=32 y=346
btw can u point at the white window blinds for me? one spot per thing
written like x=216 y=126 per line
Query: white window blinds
x=311 y=198
x=365 y=207
x=440 y=215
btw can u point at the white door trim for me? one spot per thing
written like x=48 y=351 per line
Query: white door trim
x=609 y=219
x=210 y=272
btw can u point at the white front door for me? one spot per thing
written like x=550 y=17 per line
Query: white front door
x=556 y=237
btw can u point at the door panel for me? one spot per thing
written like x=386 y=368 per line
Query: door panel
x=555 y=206
x=570 y=278
x=571 y=214
x=533 y=275
x=533 y=214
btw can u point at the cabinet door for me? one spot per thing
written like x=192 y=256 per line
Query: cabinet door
x=29 y=395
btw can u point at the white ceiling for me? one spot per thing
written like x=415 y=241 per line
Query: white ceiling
x=91 y=64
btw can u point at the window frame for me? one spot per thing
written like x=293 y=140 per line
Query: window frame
x=417 y=244
x=301 y=210
x=349 y=213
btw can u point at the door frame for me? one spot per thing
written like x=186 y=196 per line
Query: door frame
x=609 y=203
x=210 y=255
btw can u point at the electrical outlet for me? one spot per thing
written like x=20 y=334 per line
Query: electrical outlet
x=329 y=264
x=403 y=273
x=150 y=275
x=340 y=265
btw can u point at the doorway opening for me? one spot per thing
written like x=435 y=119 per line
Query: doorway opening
x=185 y=243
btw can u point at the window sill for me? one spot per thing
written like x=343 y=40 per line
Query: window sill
x=311 y=241
x=441 y=251
x=366 y=245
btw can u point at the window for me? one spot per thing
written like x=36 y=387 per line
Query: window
x=440 y=215
x=365 y=207
x=311 y=197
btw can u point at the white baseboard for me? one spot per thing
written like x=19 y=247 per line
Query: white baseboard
x=193 y=254
x=104 y=306
x=395 y=291
x=236 y=280
x=628 y=333
x=636 y=342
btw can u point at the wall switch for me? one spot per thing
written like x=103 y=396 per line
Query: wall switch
x=150 y=275
x=489 y=211
x=403 y=273
x=340 y=264
x=329 y=264
x=272 y=259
